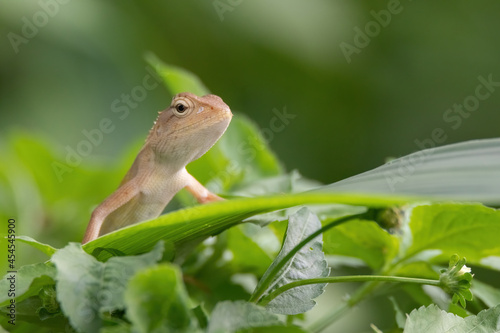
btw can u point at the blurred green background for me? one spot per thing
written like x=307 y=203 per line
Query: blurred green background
x=257 y=55
x=65 y=65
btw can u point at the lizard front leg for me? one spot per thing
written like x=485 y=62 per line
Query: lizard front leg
x=119 y=198
x=199 y=191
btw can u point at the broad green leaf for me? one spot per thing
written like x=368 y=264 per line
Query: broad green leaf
x=87 y=287
x=308 y=263
x=116 y=272
x=247 y=255
x=157 y=301
x=364 y=240
x=440 y=230
x=466 y=171
x=196 y=223
x=486 y=321
x=431 y=319
x=230 y=317
x=29 y=280
x=45 y=248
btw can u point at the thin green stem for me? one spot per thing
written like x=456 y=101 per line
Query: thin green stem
x=353 y=278
x=357 y=297
x=261 y=289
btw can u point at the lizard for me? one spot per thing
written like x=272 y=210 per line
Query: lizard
x=182 y=133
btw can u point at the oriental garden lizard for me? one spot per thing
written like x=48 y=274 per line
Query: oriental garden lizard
x=182 y=133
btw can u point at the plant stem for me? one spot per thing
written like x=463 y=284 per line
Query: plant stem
x=353 y=278
x=261 y=289
x=360 y=295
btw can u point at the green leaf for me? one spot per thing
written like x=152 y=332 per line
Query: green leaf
x=466 y=171
x=116 y=272
x=193 y=224
x=488 y=294
x=229 y=317
x=248 y=256
x=158 y=302
x=45 y=248
x=29 y=280
x=87 y=287
x=441 y=230
x=431 y=319
x=364 y=240
x=177 y=79
x=308 y=263
x=486 y=321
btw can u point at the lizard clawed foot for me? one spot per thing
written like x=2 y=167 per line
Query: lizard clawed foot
x=200 y=192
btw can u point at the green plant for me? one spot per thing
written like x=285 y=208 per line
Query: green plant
x=160 y=276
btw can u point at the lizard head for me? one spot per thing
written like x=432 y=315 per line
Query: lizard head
x=189 y=127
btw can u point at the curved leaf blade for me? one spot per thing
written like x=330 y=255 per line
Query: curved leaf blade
x=443 y=229
x=87 y=287
x=45 y=248
x=308 y=263
x=196 y=223
x=466 y=171
x=230 y=317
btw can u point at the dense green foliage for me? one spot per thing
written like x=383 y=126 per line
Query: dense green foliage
x=170 y=275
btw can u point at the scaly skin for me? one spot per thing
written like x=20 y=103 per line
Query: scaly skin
x=181 y=134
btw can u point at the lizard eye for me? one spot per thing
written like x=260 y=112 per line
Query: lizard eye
x=182 y=107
